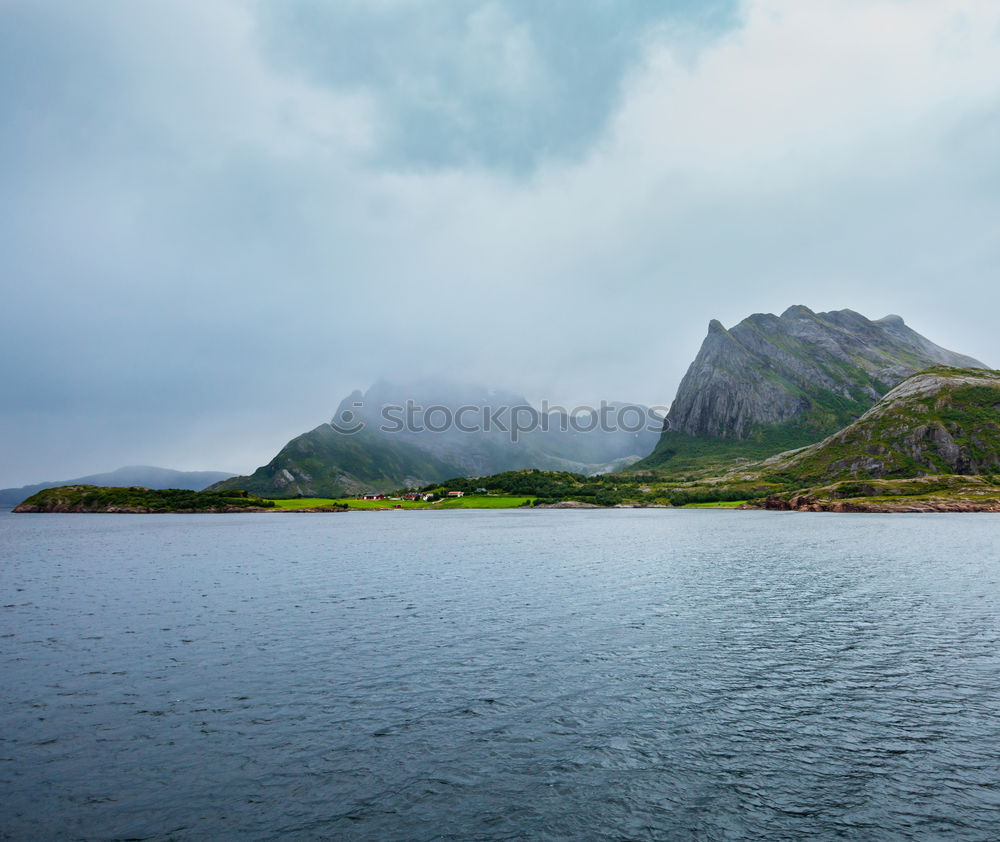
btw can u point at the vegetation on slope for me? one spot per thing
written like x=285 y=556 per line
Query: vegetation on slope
x=325 y=463
x=940 y=421
x=547 y=487
x=678 y=456
x=93 y=498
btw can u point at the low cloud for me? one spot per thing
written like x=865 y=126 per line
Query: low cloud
x=218 y=220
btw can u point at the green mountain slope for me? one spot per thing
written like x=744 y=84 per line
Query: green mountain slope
x=326 y=463
x=944 y=421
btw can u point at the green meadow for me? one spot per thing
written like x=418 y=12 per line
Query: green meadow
x=722 y=504
x=468 y=502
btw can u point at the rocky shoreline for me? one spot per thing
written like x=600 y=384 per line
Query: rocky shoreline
x=805 y=503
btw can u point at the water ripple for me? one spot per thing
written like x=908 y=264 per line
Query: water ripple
x=500 y=675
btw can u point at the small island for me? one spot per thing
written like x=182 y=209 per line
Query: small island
x=136 y=500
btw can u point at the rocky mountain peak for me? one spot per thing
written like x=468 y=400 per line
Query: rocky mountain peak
x=798 y=311
x=817 y=371
x=715 y=326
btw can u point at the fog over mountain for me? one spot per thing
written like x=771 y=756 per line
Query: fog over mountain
x=220 y=218
x=397 y=435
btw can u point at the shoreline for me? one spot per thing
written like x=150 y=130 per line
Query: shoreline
x=794 y=505
x=928 y=505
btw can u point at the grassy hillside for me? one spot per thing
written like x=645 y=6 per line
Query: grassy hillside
x=92 y=498
x=678 y=456
x=941 y=421
x=607 y=489
x=325 y=463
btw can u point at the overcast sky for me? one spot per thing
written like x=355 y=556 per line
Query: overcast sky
x=218 y=217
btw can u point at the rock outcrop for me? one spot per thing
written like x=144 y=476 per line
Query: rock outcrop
x=922 y=505
x=770 y=370
x=773 y=383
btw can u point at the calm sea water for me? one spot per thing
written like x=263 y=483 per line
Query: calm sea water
x=702 y=675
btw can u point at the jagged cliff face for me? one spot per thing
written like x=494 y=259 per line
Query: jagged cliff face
x=944 y=421
x=818 y=370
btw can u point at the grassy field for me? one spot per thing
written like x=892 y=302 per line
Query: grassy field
x=469 y=502
x=484 y=502
x=728 y=504
x=303 y=503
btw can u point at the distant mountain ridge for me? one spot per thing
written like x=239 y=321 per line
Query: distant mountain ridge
x=146 y=476
x=773 y=383
x=403 y=442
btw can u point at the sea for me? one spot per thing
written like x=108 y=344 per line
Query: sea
x=618 y=674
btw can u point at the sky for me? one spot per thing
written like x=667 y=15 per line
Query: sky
x=219 y=218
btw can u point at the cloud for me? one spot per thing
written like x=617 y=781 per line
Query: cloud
x=218 y=219
x=502 y=83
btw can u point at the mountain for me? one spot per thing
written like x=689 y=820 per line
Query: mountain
x=773 y=383
x=326 y=463
x=940 y=421
x=408 y=435
x=144 y=476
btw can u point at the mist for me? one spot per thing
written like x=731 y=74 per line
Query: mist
x=220 y=219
